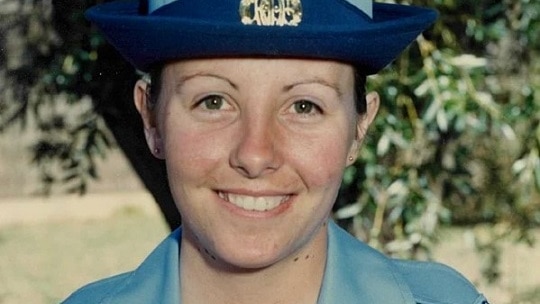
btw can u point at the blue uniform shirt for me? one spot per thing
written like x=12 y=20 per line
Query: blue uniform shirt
x=354 y=273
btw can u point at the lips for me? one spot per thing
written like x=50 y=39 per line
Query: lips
x=254 y=203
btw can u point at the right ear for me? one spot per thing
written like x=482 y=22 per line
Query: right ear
x=151 y=132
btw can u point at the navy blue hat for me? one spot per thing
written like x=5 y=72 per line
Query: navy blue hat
x=365 y=34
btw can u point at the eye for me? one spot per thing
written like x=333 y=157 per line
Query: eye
x=212 y=102
x=306 y=107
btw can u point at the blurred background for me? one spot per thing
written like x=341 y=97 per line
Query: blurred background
x=450 y=171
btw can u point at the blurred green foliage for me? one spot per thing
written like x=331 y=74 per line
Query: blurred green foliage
x=456 y=141
x=47 y=57
x=458 y=136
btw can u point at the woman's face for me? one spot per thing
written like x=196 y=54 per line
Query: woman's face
x=255 y=151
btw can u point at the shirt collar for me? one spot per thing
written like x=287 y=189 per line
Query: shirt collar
x=354 y=273
x=156 y=280
x=357 y=273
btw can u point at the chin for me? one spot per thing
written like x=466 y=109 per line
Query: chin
x=250 y=257
x=249 y=262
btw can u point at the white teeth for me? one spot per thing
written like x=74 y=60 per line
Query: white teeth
x=251 y=203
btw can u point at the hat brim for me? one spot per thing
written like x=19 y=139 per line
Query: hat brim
x=145 y=40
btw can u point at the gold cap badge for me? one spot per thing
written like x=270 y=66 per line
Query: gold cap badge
x=271 y=12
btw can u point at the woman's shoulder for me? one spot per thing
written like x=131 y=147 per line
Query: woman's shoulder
x=432 y=282
x=353 y=265
x=97 y=292
x=154 y=281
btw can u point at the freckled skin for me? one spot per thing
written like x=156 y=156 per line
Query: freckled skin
x=257 y=144
x=256 y=127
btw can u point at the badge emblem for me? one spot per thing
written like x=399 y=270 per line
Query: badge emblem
x=271 y=12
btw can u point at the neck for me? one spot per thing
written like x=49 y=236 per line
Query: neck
x=295 y=279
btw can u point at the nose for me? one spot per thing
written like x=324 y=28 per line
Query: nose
x=255 y=152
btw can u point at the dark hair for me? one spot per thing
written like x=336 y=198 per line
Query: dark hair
x=155 y=82
x=153 y=90
x=360 y=92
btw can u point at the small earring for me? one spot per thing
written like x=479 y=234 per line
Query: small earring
x=351 y=158
x=157 y=150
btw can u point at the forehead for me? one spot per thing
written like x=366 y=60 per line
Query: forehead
x=248 y=69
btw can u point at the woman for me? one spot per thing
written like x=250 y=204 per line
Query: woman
x=257 y=107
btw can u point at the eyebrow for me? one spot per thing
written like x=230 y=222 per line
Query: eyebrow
x=316 y=80
x=184 y=79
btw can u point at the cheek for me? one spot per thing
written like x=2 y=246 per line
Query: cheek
x=188 y=155
x=329 y=166
x=191 y=163
x=322 y=160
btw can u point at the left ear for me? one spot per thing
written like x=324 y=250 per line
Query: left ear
x=364 y=121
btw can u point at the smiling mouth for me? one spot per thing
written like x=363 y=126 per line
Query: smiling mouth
x=254 y=203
